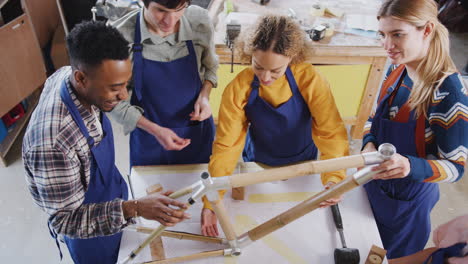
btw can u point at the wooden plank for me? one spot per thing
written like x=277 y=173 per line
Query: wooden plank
x=19 y=125
x=44 y=17
x=24 y=69
x=238 y=193
x=369 y=96
x=322 y=55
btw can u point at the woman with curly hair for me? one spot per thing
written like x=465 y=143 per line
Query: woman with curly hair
x=282 y=105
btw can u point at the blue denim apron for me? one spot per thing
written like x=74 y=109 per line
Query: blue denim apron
x=279 y=135
x=105 y=184
x=401 y=206
x=167 y=91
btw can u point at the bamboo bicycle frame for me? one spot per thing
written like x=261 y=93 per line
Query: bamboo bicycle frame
x=210 y=186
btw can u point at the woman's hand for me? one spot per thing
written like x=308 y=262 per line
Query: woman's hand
x=209 y=223
x=331 y=201
x=395 y=168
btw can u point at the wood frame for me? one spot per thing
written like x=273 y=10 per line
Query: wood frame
x=312 y=167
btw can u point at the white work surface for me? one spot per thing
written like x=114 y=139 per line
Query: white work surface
x=310 y=239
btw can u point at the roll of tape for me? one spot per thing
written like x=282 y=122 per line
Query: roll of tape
x=317 y=10
x=375 y=259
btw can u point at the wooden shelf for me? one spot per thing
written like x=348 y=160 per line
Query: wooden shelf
x=13 y=134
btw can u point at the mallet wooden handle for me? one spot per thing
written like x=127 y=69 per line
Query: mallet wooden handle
x=301 y=209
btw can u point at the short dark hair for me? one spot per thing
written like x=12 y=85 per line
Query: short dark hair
x=91 y=42
x=171 y=4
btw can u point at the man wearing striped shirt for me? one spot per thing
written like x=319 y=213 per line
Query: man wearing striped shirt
x=68 y=149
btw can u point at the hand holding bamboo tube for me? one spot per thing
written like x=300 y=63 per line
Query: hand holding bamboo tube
x=157 y=232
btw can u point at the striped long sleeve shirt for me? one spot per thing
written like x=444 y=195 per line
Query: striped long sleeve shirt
x=446 y=133
x=57 y=162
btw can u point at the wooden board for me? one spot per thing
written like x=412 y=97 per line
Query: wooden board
x=22 y=69
x=347 y=82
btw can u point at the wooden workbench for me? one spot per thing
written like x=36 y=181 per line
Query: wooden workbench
x=310 y=239
x=340 y=49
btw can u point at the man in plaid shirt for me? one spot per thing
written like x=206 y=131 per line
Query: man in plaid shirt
x=68 y=149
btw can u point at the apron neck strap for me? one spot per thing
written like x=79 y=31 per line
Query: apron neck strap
x=68 y=101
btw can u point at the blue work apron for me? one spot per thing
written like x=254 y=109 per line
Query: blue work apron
x=441 y=255
x=401 y=206
x=167 y=91
x=105 y=184
x=279 y=135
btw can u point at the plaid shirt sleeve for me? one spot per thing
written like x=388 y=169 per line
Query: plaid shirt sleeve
x=55 y=182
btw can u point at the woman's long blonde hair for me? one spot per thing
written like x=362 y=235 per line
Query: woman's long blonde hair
x=281 y=34
x=437 y=64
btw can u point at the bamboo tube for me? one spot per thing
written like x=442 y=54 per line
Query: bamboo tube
x=223 y=218
x=182 y=235
x=157 y=245
x=206 y=254
x=288 y=172
x=301 y=209
x=158 y=231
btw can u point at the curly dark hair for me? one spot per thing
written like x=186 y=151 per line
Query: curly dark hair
x=280 y=34
x=91 y=42
x=171 y=4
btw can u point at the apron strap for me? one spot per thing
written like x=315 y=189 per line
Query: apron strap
x=292 y=81
x=403 y=116
x=55 y=236
x=254 y=92
x=393 y=78
x=256 y=84
x=137 y=50
x=68 y=101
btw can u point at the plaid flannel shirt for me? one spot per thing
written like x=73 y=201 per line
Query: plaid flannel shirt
x=57 y=162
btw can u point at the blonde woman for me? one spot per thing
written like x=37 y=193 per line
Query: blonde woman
x=283 y=103
x=422 y=110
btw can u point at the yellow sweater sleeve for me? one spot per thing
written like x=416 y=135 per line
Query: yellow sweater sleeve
x=232 y=128
x=328 y=130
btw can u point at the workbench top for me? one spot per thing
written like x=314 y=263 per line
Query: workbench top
x=310 y=239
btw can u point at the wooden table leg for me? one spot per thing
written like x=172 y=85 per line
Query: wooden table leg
x=369 y=96
x=376 y=255
x=238 y=193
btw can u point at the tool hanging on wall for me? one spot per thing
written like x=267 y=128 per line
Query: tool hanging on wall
x=233 y=29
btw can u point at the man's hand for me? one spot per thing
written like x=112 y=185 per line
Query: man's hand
x=202 y=109
x=166 y=137
x=156 y=207
x=169 y=140
x=209 y=223
x=331 y=201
